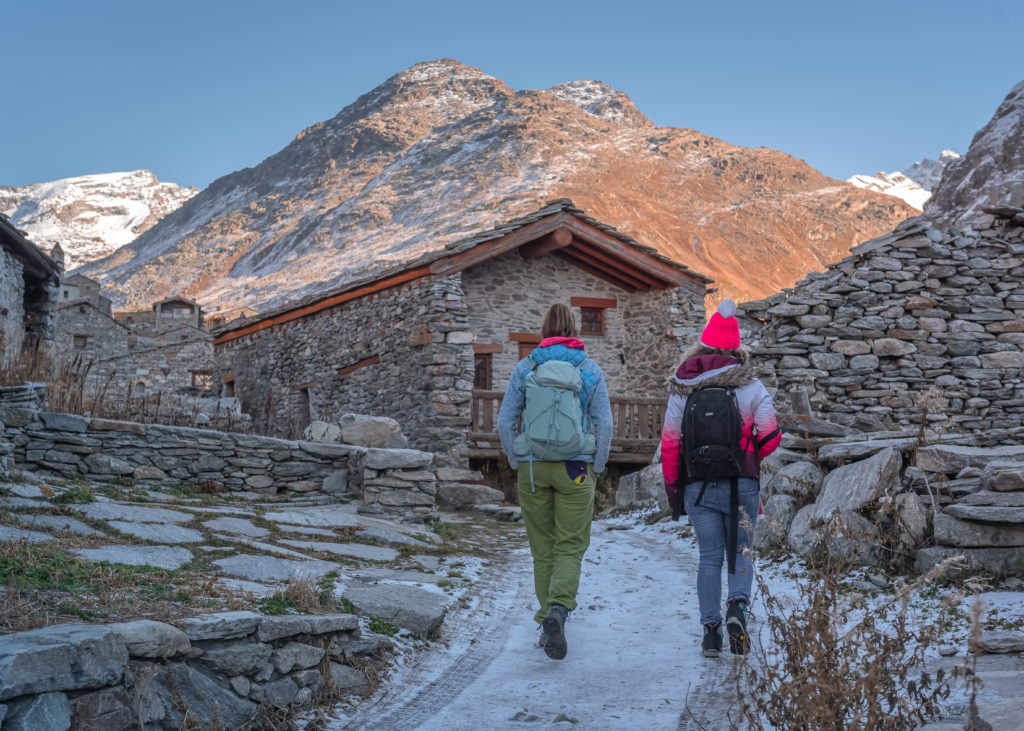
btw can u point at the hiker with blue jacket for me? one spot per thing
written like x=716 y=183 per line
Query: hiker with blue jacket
x=719 y=424
x=566 y=435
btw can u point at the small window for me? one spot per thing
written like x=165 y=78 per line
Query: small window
x=203 y=379
x=80 y=341
x=482 y=374
x=66 y=293
x=591 y=321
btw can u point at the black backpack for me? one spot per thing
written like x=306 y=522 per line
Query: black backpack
x=711 y=432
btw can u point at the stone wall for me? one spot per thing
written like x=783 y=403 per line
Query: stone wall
x=919 y=324
x=12 y=307
x=639 y=348
x=218 y=667
x=396 y=479
x=404 y=352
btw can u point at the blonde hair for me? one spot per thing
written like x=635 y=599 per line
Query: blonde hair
x=698 y=348
x=559 y=322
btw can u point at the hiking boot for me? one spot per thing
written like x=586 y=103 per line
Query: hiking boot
x=736 y=625
x=554 y=632
x=712 y=643
x=543 y=640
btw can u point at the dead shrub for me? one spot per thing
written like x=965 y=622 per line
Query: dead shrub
x=831 y=662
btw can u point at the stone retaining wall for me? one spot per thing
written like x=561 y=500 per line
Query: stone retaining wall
x=921 y=323
x=219 y=668
x=396 y=479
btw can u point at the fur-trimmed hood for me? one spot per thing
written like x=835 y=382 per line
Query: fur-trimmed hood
x=710 y=370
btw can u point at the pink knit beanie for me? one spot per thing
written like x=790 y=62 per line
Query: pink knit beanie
x=722 y=330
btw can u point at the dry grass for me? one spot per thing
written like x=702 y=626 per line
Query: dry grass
x=833 y=663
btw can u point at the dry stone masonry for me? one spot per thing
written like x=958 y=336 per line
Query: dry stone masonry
x=921 y=324
x=219 y=667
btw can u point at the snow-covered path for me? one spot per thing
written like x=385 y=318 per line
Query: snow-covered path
x=633 y=650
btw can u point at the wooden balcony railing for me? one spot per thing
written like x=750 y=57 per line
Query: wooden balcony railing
x=636 y=423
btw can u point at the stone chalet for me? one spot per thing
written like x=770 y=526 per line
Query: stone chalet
x=164 y=349
x=29 y=287
x=432 y=344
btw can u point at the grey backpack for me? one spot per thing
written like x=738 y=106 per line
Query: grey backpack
x=554 y=424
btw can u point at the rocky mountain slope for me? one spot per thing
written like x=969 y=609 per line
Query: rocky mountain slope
x=92 y=215
x=913 y=185
x=441 y=151
x=992 y=171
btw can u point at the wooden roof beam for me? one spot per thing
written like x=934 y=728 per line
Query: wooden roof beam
x=616 y=262
x=613 y=270
x=557 y=239
x=489 y=249
x=648 y=264
x=597 y=271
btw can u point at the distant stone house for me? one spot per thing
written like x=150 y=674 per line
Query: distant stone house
x=432 y=343
x=79 y=287
x=164 y=350
x=29 y=288
x=167 y=314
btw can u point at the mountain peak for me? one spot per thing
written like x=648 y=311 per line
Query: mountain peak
x=600 y=100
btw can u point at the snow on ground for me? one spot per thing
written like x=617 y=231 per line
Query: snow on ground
x=634 y=656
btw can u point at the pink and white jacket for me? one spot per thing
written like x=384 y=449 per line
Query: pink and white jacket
x=761 y=434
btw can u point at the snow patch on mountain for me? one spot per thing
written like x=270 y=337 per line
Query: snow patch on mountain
x=895 y=184
x=599 y=99
x=91 y=216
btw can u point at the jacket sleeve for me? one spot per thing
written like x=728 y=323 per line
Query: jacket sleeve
x=599 y=409
x=768 y=433
x=670 y=436
x=510 y=411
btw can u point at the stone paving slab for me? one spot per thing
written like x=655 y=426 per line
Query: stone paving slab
x=22 y=490
x=164 y=557
x=391 y=536
x=10 y=533
x=318 y=517
x=133 y=513
x=307 y=530
x=250 y=587
x=268 y=568
x=20 y=502
x=269 y=547
x=356 y=550
x=158 y=532
x=226 y=510
x=60 y=523
x=418 y=610
x=238 y=526
x=370 y=575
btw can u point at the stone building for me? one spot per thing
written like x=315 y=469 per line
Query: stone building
x=432 y=343
x=169 y=351
x=923 y=324
x=79 y=287
x=29 y=289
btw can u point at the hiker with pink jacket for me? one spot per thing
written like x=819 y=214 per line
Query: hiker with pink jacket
x=719 y=424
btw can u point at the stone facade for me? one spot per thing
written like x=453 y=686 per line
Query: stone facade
x=12 y=306
x=29 y=290
x=403 y=352
x=78 y=287
x=642 y=332
x=919 y=324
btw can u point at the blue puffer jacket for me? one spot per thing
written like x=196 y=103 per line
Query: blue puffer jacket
x=594 y=400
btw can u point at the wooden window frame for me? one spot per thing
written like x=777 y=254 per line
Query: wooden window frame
x=84 y=341
x=599 y=312
x=485 y=360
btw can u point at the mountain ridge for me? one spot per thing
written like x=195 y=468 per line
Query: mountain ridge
x=442 y=150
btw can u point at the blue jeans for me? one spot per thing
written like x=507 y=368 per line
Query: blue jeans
x=710 y=521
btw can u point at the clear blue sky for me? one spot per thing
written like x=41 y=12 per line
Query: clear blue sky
x=196 y=90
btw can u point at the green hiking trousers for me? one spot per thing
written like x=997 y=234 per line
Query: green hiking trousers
x=557 y=511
